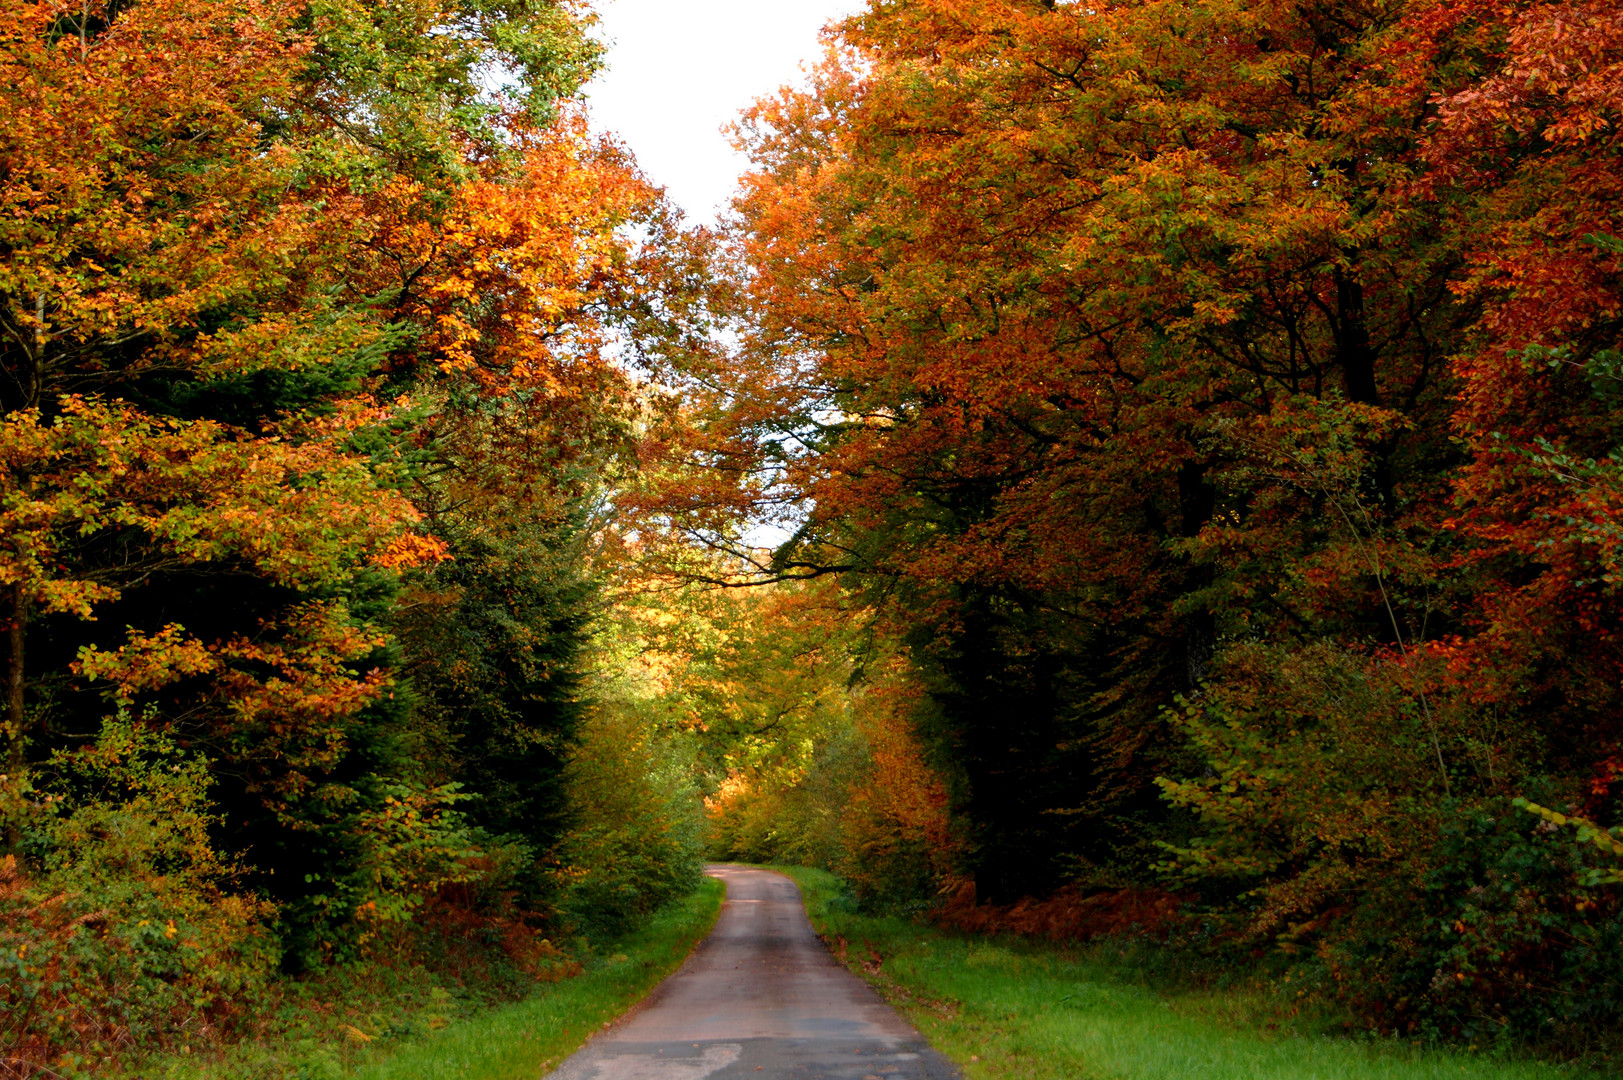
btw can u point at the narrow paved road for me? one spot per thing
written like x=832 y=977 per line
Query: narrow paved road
x=760 y=997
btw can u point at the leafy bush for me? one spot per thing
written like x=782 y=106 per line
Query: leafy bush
x=120 y=927
x=1432 y=907
x=1511 y=938
x=1318 y=782
x=900 y=844
x=638 y=837
x=416 y=844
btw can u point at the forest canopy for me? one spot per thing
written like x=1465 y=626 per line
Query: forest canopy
x=1189 y=432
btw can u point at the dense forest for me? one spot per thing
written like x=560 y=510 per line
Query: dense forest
x=1215 y=405
x=1145 y=469
x=310 y=424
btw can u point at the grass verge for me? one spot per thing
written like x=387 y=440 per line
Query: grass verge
x=1022 y=1010
x=504 y=1042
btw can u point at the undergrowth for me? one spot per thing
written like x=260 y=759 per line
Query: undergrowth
x=447 y=1015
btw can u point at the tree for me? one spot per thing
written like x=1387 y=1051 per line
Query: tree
x=1021 y=275
x=292 y=306
x=1242 y=352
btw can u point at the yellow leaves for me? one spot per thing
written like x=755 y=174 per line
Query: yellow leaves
x=123 y=218
x=1215 y=314
x=296 y=674
x=509 y=280
x=412 y=549
x=277 y=341
x=148 y=661
x=1588 y=832
x=76 y=598
x=197 y=492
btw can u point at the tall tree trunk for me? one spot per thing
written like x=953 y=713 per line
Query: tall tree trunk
x=1357 y=359
x=1197 y=501
x=1353 y=349
x=16 y=636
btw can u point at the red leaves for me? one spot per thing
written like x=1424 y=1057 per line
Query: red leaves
x=1069 y=915
x=1528 y=145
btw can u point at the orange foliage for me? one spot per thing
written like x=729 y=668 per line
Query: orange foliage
x=897 y=822
x=1070 y=914
x=135 y=194
x=1266 y=354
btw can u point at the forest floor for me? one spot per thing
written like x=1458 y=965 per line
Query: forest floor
x=359 y=1025
x=1016 y=1009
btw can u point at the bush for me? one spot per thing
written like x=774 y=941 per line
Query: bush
x=1511 y=939
x=637 y=839
x=119 y=924
x=1431 y=907
x=900 y=845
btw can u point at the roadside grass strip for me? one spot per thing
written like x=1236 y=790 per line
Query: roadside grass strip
x=1022 y=1010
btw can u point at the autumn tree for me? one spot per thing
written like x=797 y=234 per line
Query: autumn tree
x=296 y=310
x=1019 y=277
x=1253 y=355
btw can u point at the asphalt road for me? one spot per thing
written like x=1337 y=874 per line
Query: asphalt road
x=760 y=997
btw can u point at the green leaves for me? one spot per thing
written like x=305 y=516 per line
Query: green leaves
x=411 y=82
x=1607 y=840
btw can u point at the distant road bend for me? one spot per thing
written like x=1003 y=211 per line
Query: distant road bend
x=760 y=997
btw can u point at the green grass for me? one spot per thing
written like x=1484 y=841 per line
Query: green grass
x=503 y=1042
x=1021 y=1010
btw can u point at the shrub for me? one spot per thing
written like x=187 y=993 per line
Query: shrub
x=1425 y=900
x=120 y=924
x=637 y=838
x=900 y=845
x=1510 y=939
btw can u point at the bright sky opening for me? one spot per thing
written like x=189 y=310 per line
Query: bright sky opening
x=680 y=70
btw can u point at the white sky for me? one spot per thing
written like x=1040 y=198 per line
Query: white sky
x=678 y=70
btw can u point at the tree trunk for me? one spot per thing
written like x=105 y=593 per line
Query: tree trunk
x=1352 y=341
x=1197 y=502
x=16 y=636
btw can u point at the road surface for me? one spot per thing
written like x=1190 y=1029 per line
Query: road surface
x=760 y=998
